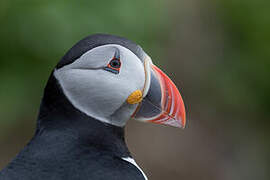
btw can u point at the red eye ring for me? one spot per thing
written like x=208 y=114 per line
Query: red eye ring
x=114 y=66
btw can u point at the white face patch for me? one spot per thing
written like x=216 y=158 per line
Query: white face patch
x=99 y=93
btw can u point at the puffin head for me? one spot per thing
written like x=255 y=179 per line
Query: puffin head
x=112 y=80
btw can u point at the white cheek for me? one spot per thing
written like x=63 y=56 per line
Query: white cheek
x=99 y=93
x=132 y=72
x=102 y=94
x=92 y=91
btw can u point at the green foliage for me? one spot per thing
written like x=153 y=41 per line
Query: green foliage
x=247 y=54
x=35 y=34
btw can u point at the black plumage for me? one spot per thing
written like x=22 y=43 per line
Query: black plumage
x=96 y=40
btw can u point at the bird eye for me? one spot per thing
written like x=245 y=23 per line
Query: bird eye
x=115 y=63
x=114 y=66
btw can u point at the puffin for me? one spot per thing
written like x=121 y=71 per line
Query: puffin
x=98 y=85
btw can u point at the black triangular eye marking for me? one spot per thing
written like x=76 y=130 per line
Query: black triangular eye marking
x=117 y=53
x=115 y=64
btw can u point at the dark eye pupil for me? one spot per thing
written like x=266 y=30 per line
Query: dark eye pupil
x=115 y=63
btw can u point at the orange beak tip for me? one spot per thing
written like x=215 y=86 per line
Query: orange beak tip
x=172 y=103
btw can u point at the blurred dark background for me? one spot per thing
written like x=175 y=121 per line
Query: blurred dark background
x=217 y=52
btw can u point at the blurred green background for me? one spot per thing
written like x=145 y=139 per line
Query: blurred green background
x=217 y=52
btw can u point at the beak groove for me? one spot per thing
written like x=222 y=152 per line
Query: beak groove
x=173 y=109
x=162 y=102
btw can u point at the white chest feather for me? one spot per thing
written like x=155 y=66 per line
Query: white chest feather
x=132 y=161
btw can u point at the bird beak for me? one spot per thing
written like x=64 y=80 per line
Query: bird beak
x=162 y=102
